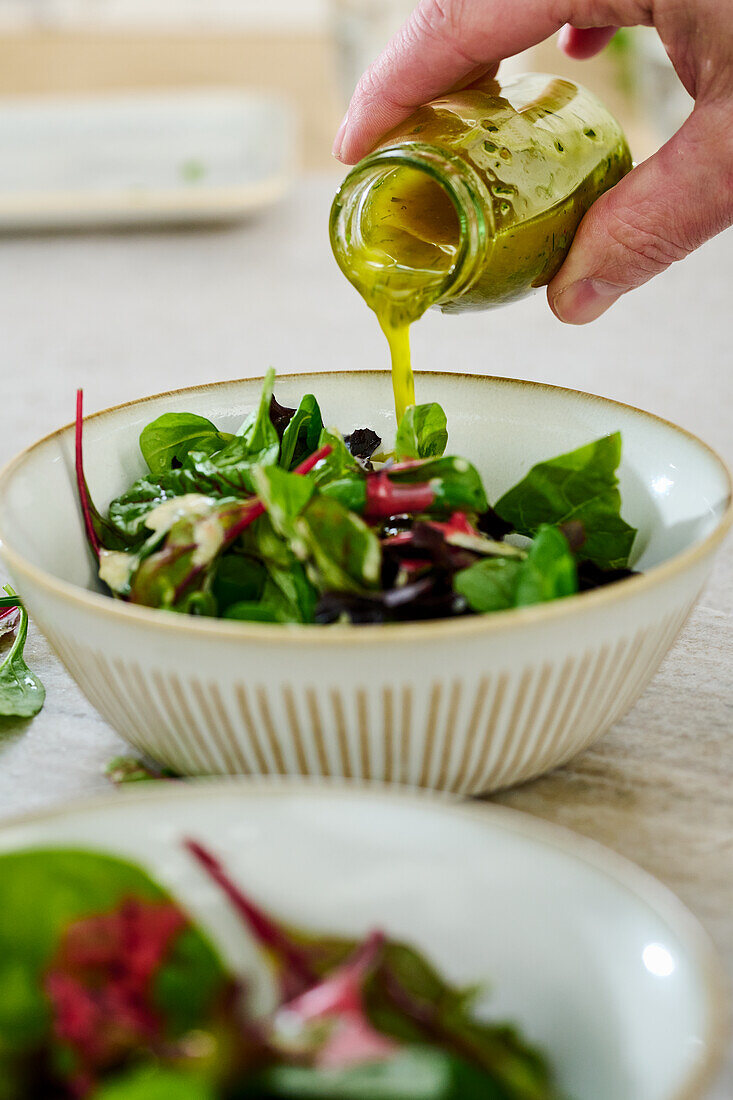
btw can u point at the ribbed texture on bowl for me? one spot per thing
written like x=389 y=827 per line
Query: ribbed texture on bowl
x=467 y=705
x=493 y=726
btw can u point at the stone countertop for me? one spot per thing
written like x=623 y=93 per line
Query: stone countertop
x=134 y=313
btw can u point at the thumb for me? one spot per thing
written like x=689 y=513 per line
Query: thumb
x=659 y=213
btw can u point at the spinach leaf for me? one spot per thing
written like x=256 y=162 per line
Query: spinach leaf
x=422 y=432
x=489 y=585
x=283 y=494
x=128 y=512
x=340 y=463
x=417 y=1073
x=154 y=1083
x=42 y=892
x=302 y=434
x=258 y=434
x=21 y=692
x=287 y=592
x=173 y=436
x=548 y=572
x=238 y=578
x=582 y=486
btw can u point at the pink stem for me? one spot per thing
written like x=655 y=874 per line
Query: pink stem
x=257 y=507
x=261 y=926
x=308 y=464
x=81 y=480
x=384 y=499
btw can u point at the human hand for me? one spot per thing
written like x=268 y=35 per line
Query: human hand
x=661 y=211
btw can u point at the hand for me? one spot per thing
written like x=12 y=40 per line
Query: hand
x=663 y=209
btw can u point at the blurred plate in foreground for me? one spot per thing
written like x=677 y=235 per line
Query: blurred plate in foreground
x=142 y=158
x=594 y=960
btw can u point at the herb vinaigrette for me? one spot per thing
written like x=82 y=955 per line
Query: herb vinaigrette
x=472 y=202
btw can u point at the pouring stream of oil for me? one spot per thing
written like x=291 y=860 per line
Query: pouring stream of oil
x=409 y=244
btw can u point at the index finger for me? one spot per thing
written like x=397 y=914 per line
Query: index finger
x=443 y=43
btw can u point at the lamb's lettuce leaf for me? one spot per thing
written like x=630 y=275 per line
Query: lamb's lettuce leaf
x=548 y=572
x=422 y=432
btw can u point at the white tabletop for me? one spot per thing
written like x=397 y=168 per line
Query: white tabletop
x=130 y=314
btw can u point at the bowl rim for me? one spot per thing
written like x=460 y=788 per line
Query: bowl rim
x=368 y=633
x=641 y=884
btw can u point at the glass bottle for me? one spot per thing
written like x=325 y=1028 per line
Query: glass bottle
x=474 y=200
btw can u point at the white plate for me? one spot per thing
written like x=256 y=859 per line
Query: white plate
x=596 y=961
x=116 y=160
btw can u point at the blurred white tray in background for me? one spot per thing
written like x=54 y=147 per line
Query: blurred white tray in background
x=142 y=158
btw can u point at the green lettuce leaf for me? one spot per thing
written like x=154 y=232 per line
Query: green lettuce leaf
x=581 y=485
x=41 y=893
x=422 y=432
x=21 y=692
x=548 y=572
x=173 y=436
x=339 y=464
x=302 y=434
x=154 y=1083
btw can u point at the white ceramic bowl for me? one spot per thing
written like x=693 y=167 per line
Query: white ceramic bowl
x=468 y=705
x=598 y=963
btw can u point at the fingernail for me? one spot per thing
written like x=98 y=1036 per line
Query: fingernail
x=585 y=301
x=339 y=139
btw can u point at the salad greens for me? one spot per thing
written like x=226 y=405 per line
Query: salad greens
x=109 y=991
x=289 y=521
x=21 y=692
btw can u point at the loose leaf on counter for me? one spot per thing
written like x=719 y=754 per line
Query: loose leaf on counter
x=130 y=769
x=422 y=432
x=301 y=436
x=582 y=486
x=171 y=438
x=548 y=572
x=21 y=692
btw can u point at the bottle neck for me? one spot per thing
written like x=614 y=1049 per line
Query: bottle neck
x=428 y=251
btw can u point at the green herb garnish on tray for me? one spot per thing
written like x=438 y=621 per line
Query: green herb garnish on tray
x=288 y=521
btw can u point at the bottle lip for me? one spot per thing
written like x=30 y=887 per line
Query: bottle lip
x=465 y=189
